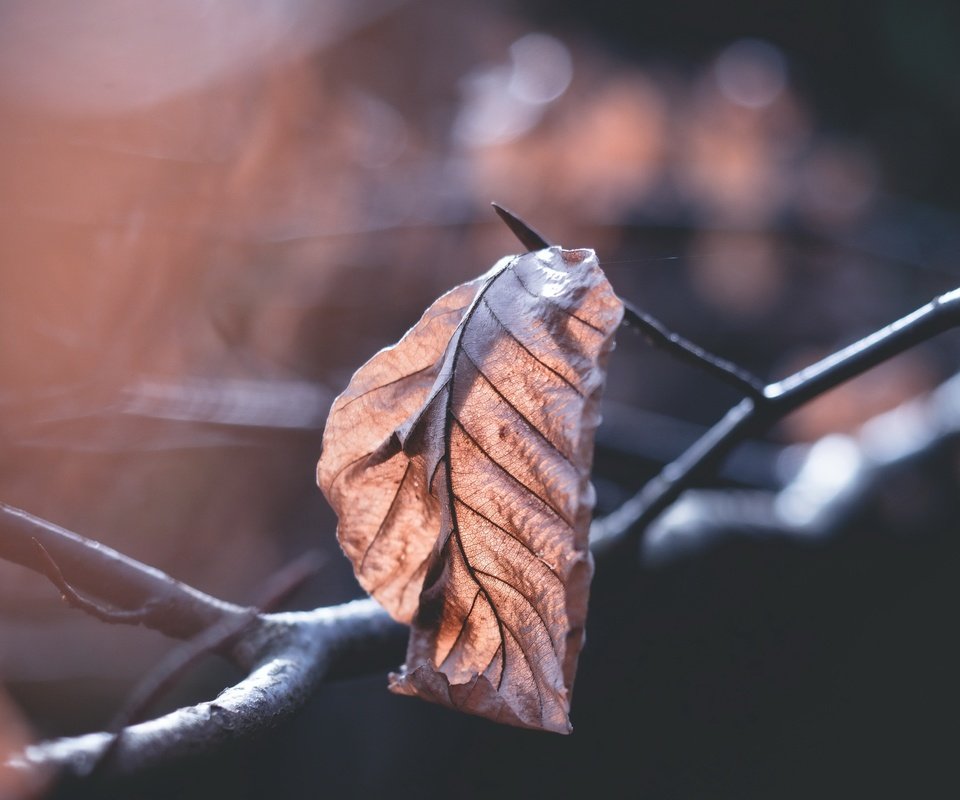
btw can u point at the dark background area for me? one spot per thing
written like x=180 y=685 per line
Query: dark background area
x=210 y=221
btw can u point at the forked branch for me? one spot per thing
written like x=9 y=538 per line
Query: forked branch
x=289 y=655
x=762 y=407
x=753 y=415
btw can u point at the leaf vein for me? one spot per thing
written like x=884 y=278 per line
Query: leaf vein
x=463 y=628
x=527 y=600
x=345 y=467
x=508 y=533
x=393 y=573
x=383 y=522
x=562 y=517
x=380 y=386
x=516 y=409
x=530 y=352
x=533 y=671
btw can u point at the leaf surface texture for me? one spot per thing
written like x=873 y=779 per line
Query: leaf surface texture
x=458 y=463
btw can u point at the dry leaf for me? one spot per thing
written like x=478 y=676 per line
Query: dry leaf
x=458 y=462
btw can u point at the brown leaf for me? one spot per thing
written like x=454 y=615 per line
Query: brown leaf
x=458 y=462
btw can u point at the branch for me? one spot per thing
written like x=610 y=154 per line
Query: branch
x=292 y=653
x=649 y=326
x=912 y=437
x=297 y=650
x=683 y=349
x=755 y=415
x=214 y=639
x=72 y=598
x=142 y=594
x=288 y=654
x=762 y=407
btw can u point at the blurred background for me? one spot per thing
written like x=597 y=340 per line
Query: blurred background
x=212 y=213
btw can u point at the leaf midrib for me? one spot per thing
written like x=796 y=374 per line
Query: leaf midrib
x=447 y=431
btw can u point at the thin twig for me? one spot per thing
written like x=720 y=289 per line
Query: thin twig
x=752 y=416
x=154 y=599
x=528 y=237
x=661 y=336
x=649 y=326
x=72 y=598
x=288 y=579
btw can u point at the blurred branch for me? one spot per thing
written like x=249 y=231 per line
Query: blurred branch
x=840 y=478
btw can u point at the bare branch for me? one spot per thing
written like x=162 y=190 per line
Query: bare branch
x=683 y=349
x=297 y=651
x=289 y=654
x=911 y=437
x=292 y=653
x=754 y=415
x=70 y=596
x=152 y=598
x=212 y=640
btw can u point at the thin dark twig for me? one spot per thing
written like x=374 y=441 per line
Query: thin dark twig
x=661 y=336
x=752 y=416
x=655 y=331
x=157 y=600
x=939 y=315
x=72 y=598
x=288 y=579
